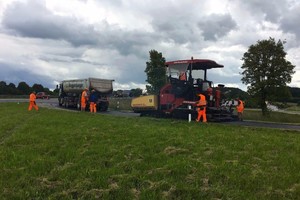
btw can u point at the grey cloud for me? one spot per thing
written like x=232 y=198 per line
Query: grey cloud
x=217 y=78
x=179 y=32
x=133 y=75
x=290 y=22
x=175 y=25
x=68 y=59
x=116 y=3
x=216 y=26
x=271 y=10
x=88 y=62
x=11 y=74
x=32 y=19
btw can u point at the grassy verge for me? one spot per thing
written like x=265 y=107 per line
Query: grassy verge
x=274 y=117
x=53 y=154
x=294 y=108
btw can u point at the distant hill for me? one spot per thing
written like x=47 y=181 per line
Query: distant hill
x=295 y=94
x=295 y=91
x=233 y=93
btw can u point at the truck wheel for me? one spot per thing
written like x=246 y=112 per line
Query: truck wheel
x=60 y=102
x=104 y=108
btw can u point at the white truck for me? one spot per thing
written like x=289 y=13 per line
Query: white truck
x=70 y=92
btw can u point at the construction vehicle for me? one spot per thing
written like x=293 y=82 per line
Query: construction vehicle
x=178 y=98
x=70 y=92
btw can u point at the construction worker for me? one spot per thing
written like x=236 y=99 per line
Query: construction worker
x=93 y=102
x=182 y=76
x=32 y=103
x=209 y=93
x=201 y=108
x=240 y=109
x=217 y=97
x=84 y=98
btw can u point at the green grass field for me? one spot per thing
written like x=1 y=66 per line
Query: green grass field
x=56 y=154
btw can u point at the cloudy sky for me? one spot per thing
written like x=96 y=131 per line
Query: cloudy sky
x=46 y=41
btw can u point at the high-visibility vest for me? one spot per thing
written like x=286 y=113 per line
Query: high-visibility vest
x=83 y=96
x=240 y=106
x=32 y=97
x=202 y=100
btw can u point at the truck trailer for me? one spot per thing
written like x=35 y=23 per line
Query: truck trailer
x=70 y=92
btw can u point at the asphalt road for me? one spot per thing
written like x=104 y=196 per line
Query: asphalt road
x=53 y=103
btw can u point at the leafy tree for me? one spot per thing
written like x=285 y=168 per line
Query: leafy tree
x=55 y=91
x=47 y=90
x=3 y=87
x=266 y=70
x=136 y=92
x=12 y=89
x=38 y=87
x=24 y=88
x=156 y=72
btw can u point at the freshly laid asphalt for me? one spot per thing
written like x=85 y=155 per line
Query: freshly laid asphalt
x=53 y=103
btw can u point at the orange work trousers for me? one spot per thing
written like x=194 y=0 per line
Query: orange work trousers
x=32 y=104
x=201 y=113
x=83 y=105
x=93 y=107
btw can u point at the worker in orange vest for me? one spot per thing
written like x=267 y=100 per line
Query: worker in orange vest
x=32 y=103
x=240 y=109
x=84 y=98
x=201 y=108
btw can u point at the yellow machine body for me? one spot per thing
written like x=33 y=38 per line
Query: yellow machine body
x=142 y=103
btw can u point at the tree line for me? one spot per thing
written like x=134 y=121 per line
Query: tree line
x=22 y=88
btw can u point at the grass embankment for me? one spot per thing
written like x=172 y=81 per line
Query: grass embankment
x=275 y=116
x=56 y=154
x=294 y=108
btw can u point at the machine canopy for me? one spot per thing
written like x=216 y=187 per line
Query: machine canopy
x=195 y=67
x=194 y=64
